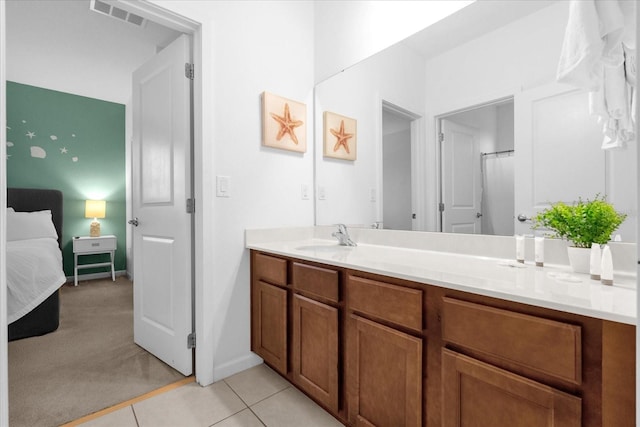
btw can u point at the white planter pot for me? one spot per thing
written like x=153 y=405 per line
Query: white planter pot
x=579 y=258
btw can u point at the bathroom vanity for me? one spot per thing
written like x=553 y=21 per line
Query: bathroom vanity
x=394 y=336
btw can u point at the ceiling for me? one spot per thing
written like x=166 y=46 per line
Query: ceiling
x=77 y=15
x=480 y=17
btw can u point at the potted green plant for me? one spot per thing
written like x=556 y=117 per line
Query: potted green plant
x=583 y=223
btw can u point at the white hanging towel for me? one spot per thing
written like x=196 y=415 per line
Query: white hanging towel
x=598 y=54
x=580 y=58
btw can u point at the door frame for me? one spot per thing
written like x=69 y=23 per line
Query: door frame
x=4 y=362
x=175 y=21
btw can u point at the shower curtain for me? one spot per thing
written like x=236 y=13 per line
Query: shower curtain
x=498 y=195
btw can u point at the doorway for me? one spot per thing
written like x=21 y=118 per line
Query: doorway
x=147 y=11
x=477 y=169
x=398 y=178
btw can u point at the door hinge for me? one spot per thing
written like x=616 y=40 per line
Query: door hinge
x=191 y=340
x=441 y=137
x=191 y=206
x=188 y=71
x=441 y=207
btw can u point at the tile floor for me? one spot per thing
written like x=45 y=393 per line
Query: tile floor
x=253 y=398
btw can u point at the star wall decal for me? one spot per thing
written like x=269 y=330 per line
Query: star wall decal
x=342 y=138
x=287 y=125
x=31 y=134
x=63 y=150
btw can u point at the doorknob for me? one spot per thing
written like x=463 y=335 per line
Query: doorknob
x=133 y=221
x=478 y=215
x=523 y=218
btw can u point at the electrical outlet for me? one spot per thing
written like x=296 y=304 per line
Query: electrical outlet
x=372 y=194
x=322 y=193
x=304 y=191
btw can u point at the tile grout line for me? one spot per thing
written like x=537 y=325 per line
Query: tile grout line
x=249 y=406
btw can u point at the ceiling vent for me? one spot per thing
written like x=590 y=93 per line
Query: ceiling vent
x=117 y=13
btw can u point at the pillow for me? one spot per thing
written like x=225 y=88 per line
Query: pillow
x=30 y=225
x=10 y=209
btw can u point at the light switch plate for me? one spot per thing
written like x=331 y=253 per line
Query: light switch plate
x=223 y=184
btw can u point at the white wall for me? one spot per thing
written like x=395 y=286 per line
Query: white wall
x=349 y=31
x=396 y=188
x=505 y=127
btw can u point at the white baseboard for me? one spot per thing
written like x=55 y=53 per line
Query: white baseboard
x=92 y=276
x=233 y=367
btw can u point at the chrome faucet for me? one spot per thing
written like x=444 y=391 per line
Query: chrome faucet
x=343 y=236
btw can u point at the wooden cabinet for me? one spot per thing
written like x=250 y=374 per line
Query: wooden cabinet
x=384 y=363
x=504 y=391
x=384 y=376
x=270 y=337
x=315 y=340
x=269 y=310
x=315 y=350
x=381 y=351
x=481 y=395
x=518 y=341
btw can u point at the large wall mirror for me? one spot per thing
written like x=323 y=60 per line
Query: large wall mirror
x=463 y=128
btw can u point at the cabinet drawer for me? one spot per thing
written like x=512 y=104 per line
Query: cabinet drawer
x=271 y=269
x=479 y=394
x=96 y=244
x=317 y=281
x=396 y=304
x=546 y=346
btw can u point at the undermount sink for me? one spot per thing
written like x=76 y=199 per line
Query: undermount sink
x=323 y=248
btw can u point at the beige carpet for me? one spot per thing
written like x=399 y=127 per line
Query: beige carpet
x=88 y=364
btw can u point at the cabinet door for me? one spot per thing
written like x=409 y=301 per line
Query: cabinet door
x=385 y=368
x=270 y=324
x=315 y=350
x=481 y=395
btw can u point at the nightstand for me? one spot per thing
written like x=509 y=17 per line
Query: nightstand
x=92 y=246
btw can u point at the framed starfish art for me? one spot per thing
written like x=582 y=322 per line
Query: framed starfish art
x=339 y=136
x=284 y=123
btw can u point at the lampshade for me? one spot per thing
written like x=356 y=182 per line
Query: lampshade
x=95 y=209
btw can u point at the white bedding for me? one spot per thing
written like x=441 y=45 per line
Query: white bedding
x=34 y=272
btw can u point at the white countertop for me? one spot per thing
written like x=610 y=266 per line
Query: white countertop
x=552 y=286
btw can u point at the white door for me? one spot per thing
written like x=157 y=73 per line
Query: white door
x=161 y=185
x=557 y=146
x=461 y=184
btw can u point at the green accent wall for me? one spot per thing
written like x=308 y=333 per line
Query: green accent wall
x=74 y=144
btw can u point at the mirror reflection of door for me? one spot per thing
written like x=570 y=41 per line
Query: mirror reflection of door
x=477 y=170
x=397 y=190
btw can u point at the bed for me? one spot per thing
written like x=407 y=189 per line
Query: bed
x=34 y=261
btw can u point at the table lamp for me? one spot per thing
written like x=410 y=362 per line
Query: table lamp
x=95 y=209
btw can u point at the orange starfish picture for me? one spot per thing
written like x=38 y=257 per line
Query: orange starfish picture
x=343 y=138
x=287 y=125
x=339 y=136
x=283 y=123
